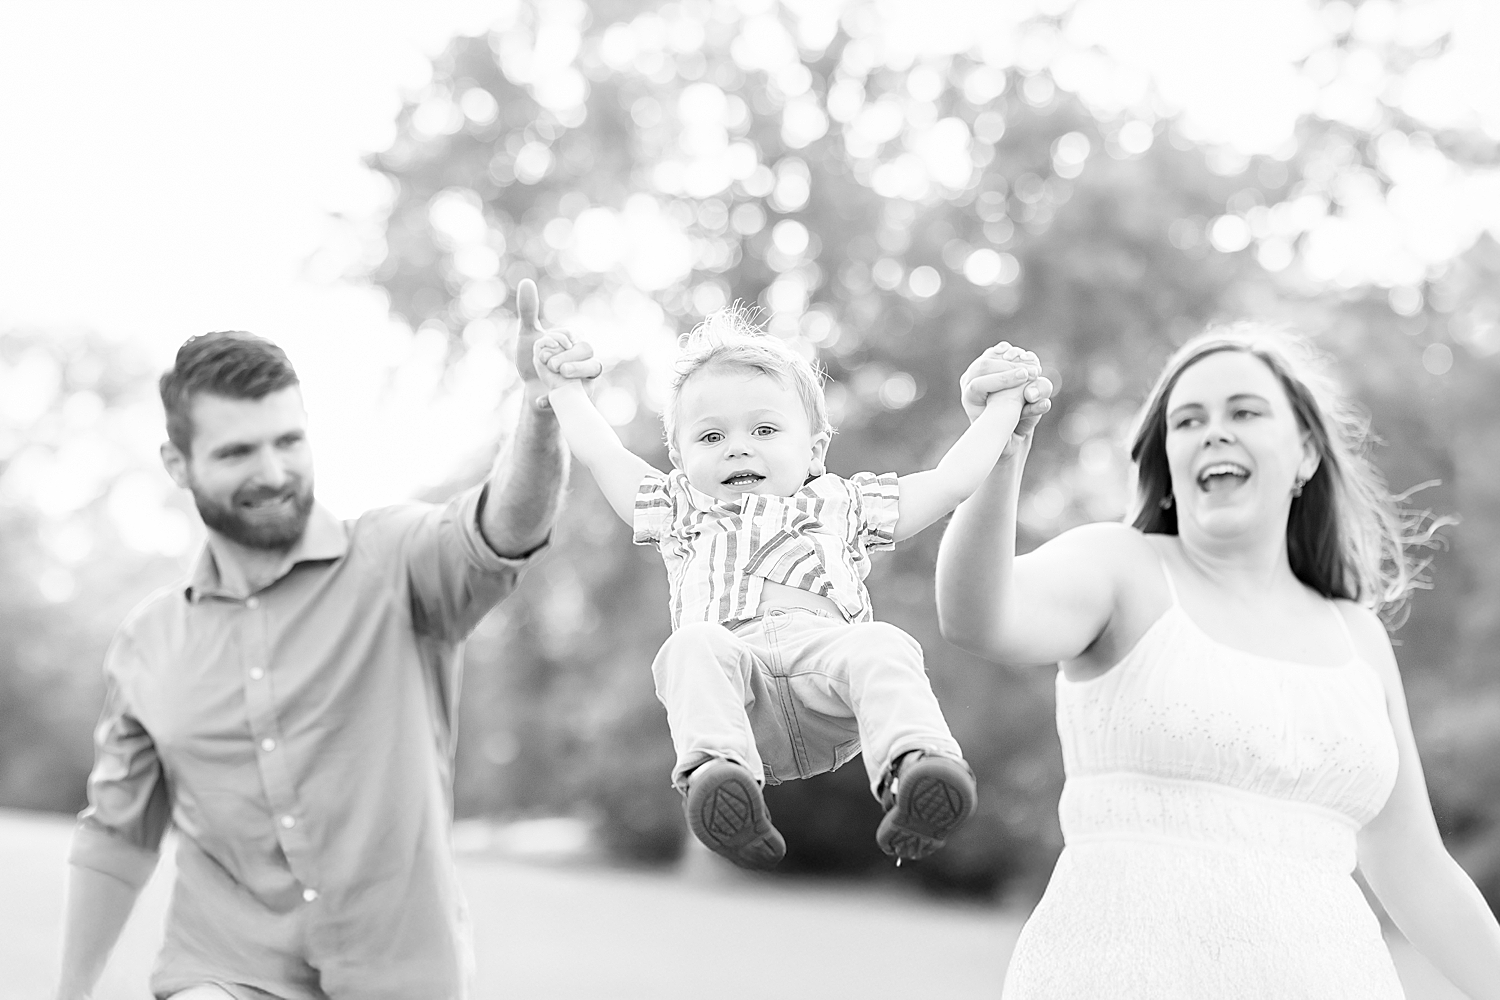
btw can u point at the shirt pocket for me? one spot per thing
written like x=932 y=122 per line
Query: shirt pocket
x=788 y=558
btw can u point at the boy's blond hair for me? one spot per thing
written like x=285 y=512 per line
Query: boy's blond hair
x=731 y=339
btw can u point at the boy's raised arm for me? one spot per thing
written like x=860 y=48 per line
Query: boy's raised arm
x=591 y=439
x=928 y=496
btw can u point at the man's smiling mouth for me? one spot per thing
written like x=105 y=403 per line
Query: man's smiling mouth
x=266 y=502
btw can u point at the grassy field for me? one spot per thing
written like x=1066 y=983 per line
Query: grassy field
x=586 y=933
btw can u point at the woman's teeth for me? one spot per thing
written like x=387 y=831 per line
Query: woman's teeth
x=1222 y=475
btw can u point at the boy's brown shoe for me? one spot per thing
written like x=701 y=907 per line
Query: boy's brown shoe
x=726 y=811
x=928 y=798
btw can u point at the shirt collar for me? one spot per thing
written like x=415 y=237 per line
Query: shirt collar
x=704 y=502
x=707 y=504
x=323 y=540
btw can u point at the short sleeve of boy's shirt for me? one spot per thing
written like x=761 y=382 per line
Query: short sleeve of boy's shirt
x=877 y=508
x=655 y=508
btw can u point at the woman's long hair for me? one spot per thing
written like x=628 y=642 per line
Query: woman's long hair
x=1346 y=536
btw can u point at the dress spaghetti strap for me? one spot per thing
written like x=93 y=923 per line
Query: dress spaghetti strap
x=1167 y=575
x=1344 y=627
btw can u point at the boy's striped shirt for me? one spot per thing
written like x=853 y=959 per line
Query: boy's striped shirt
x=720 y=553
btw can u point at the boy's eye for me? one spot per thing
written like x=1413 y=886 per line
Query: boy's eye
x=712 y=437
x=765 y=429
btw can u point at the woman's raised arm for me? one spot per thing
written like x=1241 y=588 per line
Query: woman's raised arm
x=1047 y=606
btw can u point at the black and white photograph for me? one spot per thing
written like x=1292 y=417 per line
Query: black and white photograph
x=815 y=499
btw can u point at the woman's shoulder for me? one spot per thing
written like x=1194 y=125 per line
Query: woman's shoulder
x=1112 y=540
x=1372 y=643
x=1114 y=558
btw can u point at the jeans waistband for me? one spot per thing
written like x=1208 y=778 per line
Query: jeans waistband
x=739 y=623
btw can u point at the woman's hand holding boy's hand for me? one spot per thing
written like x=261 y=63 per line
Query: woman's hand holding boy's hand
x=1001 y=368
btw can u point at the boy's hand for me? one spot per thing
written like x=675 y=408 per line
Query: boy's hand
x=1003 y=368
x=556 y=358
x=996 y=370
x=566 y=362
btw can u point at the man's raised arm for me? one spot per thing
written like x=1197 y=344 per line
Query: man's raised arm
x=525 y=489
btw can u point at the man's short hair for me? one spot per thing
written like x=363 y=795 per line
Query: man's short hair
x=228 y=363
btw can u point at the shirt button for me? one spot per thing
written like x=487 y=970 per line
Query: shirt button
x=309 y=894
x=252 y=603
x=288 y=821
x=256 y=673
x=268 y=745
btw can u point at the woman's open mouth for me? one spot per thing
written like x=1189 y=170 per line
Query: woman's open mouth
x=1222 y=476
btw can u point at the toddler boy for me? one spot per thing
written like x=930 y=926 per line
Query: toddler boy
x=776 y=668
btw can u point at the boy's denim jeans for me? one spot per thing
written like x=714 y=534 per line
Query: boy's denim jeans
x=797 y=692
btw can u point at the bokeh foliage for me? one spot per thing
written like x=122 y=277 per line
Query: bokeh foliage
x=82 y=532
x=801 y=167
x=895 y=214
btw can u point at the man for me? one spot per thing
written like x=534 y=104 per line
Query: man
x=291 y=709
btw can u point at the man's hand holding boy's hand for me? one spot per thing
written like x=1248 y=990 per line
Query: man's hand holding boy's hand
x=558 y=360
x=555 y=357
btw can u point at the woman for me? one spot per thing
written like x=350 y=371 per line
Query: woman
x=1233 y=725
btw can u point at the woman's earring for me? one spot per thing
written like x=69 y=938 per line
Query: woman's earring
x=1165 y=503
x=1297 y=485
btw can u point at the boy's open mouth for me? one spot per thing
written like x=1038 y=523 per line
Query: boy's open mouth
x=743 y=480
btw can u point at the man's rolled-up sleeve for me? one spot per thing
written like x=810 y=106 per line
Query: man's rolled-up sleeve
x=120 y=832
x=456 y=577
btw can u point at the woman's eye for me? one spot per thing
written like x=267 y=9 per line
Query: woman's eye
x=1242 y=414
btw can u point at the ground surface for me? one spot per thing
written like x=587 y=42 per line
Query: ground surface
x=587 y=933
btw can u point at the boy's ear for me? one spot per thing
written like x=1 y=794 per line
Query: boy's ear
x=817 y=467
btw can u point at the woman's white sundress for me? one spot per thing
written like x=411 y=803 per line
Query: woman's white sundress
x=1209 y=815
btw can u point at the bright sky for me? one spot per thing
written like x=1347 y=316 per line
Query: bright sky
x=170 y=168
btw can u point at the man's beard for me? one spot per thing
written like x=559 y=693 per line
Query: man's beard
x=236 y=523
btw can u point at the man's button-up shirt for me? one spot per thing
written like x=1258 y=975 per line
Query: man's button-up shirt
x=302 y=742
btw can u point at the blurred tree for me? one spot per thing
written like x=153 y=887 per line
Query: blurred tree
x=83 y=528
x=896 y=213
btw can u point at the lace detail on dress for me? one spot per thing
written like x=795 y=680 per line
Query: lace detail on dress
x=1126 y=806
x=1210 y=812
x=1181 y=705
